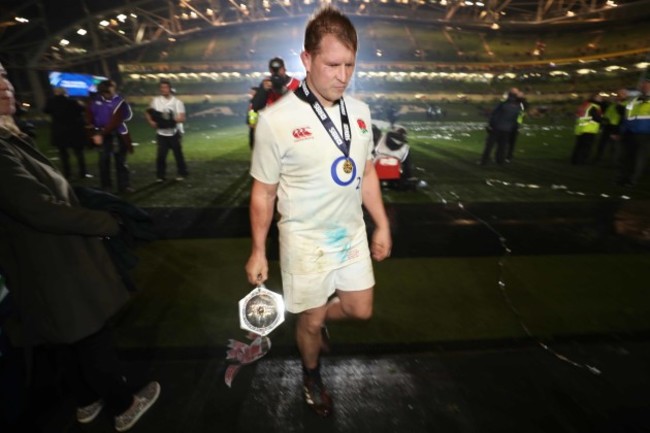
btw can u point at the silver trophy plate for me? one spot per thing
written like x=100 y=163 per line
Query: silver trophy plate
x=261 y=311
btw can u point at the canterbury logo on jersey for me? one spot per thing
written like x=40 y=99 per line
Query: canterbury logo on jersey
x=301 y=133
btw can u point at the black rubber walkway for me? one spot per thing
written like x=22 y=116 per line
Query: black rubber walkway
x=507 y=388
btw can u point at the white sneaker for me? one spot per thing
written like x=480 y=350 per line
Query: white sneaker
x=142 y=401
x=88 y=413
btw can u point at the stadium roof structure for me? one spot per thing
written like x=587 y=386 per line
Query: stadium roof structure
x=62 y=34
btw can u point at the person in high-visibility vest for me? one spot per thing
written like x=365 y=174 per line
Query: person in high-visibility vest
x=588 y=118
x=635 y=142
x=612 y=119
x=251 y=118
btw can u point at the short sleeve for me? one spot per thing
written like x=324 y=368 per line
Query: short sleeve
x=266 y=161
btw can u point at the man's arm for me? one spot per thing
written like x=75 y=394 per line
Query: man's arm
x=261 y=215
x=381 y=242
x=180 y=111
x=259 y=100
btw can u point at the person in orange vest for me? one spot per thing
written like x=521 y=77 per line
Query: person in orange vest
x=588 y=119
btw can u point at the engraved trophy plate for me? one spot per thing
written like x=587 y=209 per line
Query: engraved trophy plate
x=261 y=311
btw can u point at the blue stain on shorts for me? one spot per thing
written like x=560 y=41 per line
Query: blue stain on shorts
x=338 y=239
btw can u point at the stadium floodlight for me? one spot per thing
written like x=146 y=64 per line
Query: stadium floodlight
x=121 y=18
x=21 y=20
x=82 y=32
x=64 y=42
x=104 y=23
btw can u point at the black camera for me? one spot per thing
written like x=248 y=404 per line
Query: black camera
x=164 y=119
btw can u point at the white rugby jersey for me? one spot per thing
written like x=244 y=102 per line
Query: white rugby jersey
x=321 y=225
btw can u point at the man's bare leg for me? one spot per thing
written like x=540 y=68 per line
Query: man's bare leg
x=308 y=337
x=350 y=305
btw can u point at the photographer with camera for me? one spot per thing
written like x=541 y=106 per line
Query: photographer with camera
x=166 y=113
x=270 y=90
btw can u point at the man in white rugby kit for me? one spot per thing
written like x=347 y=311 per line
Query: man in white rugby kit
x=313 y=153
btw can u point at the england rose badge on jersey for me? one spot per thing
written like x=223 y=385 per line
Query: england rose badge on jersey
x=362 y=126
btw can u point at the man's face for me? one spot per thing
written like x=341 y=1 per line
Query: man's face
x=110 y=92
x=165 y=89
x=7 y=98
x=329 y=70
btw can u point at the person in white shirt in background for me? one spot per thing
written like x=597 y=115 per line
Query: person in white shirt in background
x=166 y=113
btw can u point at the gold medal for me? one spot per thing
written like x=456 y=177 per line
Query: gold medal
x=347 y=166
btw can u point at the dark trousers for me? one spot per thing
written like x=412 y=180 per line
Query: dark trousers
x=635 y=152
x=92 y=371
x=606 y=144
x=512 y=140
x=502 y=140
x=582 y=148
x=64 y=156
x=114 y=146
x=165 y=144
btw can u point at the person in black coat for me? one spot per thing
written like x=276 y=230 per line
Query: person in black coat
x=503 y=120
x=63 y=284
x=68 y=130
